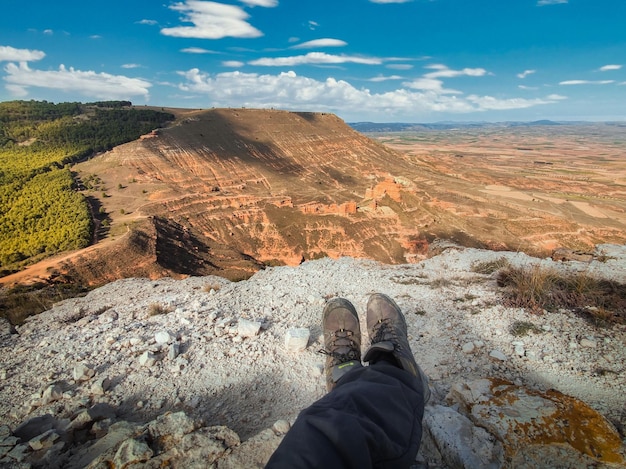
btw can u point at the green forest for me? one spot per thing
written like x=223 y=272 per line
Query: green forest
x=41 y=212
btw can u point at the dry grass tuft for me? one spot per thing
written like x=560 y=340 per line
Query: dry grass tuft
x=156 y=309
x=211 y=286
x=537 y=289
x=489 y=267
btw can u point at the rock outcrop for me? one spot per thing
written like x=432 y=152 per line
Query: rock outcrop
x=201 y=371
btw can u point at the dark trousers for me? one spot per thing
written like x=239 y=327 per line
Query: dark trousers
x=372 y=419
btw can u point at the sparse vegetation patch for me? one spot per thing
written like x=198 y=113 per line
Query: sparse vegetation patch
x=537 y=289
x=489 y=267
x=523 y=328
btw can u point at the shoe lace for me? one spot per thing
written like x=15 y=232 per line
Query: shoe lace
x=384 y=331
x=342 y=339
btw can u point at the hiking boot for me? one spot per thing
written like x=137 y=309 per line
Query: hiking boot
x=388 y=338
x=342 y=340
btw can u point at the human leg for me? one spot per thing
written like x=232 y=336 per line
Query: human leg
x=372 y=416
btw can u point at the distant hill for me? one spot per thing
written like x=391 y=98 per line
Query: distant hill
x=229 y=191
x=403 y=127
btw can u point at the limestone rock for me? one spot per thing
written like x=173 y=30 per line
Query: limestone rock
x=497 y=355
x=459 y=441
x=82 y=372
x=529 y=423
x=246 y=328
x=169 y=429
x=173 y=351
x=100 y=386
x=163 y=337
x=252 y=453
x=297 y=339
x=281 y=427
x=132 y=451
x=148 y=359
x=52 y=393
x=45 y=440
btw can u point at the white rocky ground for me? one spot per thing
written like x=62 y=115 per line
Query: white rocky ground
x=205 y=359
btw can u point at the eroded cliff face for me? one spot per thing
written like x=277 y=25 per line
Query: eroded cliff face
x=260 y=186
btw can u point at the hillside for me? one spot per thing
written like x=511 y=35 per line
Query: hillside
x=41 y=213
x=183 y=373
x=227 y=191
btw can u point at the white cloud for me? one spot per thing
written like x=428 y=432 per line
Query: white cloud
x=233 y=63
x=197 y=50
x=260 y=3
x=313 y=25
x=95 y=36
x=606 y=68
x=587 y=82
x=326 y=42
x=91 y=84
x=381 y=78
x=131 y=66
x=550 y=2
x=442 y=71
x=429 y=84
x=211 y=21
x=314 y=58
x=148 y=22
x=557 y=97
x=524 y=87
x=390 y=1
x=11 y=54
x=399 y=66
x=525 y=73
x=288 y=90
x=48 y=32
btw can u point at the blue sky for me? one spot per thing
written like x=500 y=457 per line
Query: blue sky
x=365 y=60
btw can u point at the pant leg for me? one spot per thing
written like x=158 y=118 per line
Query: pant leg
x=372 y=419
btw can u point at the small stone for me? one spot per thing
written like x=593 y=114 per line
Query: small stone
x=82 y=373
x=468 y=348
x=147 y=359
x=498 y=355
x=173 y=351
x=281 y=427
x=573 y=345
x=162 y=337
x=52 y=393
x=135 y=341
x=45 y=440
x=588 y=343
x=247 y=328
x=479 y=344
x=297 y=339
x=519 y=348
x=100 y=386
